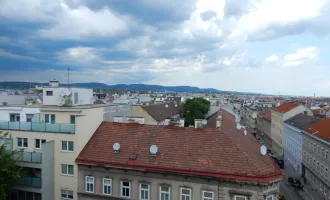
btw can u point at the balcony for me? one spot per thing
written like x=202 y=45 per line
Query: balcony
x=38 y=127
x=29 y=157
x=30 y=181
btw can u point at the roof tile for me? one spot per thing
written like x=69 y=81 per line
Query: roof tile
x=286 y=107
x=161 y=112
x=320 y=129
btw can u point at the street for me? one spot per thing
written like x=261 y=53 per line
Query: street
x=291 y=193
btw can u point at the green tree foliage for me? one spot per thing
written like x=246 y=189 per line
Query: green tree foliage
x=9 y=172
x=195 y=108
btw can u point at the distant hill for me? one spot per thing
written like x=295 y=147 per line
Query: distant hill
x=141 y=87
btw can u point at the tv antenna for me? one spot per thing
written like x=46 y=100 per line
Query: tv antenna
x=69 y=77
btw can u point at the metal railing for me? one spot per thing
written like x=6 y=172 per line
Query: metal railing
x=38 y=127
x=30 y=157
x=30 y=181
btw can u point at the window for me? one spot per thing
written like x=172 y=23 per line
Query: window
x=72 y=119
x=325 y=190
x=321 y=169
x=14 y=117
x=314 y=147
x=326 y=173
x=270 y=197
x=165 y=193
x=49 y=119
x=326 y=154
x=208 y=195
x=144 y=191
x=185 y=194
x=67 y=169
x=318 y=167
x=322 y=152
x=107 y=186
x=38 y=143
x=66 y=194
x=67 y=146
x=49 y=93
x=89 y=184
x=314 y=164
x=126 y=189
x=29 y=117
x=238 y=197
x=318 y=149
x=22 y=142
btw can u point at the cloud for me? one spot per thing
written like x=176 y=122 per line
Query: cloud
x=300 y=56
x=14 y=56
x=272 y=58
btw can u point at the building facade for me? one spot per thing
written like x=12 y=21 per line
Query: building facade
x=264 y=126
x=316 y=160
x=279 y=115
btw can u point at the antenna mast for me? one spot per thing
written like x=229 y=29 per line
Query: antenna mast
x=68 y=77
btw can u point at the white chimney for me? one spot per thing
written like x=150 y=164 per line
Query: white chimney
x=198 y=123
x=219 y=119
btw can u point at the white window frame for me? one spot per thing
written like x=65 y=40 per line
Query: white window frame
x=50 y=118
x=41 y=141
x=67 y=170
x=67 y=146
x=89 y=183
x=160 y=192
x=207 y=198
x=103 y=184
x=66 y=192
x=184 y=196
x=22 y=142
x=129 y=188
x=144 y=190
x=270 y=197
x=245 y=197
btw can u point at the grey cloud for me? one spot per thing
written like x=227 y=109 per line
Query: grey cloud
x=236 y=8
x=207 y=15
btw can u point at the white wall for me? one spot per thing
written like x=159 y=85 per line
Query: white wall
x=5 y=111
x=85 y=96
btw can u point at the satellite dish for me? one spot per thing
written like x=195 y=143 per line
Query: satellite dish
x=263 y=150
x=153 y=149
x=116 y=146
x=166 y=106
x=68 y=93
x=204 y=122
x=238 y=126
x=245 y=132
x=176 y=105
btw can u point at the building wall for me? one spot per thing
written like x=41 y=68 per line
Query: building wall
x=60 y=117
x=6 y=111
x=317 y=174
x=264 y=129
x=197 y=185
x=138 y=111
x=277 y=125
x=116 y=110
x=47 y=171
x=292 y=147
x=85 y=96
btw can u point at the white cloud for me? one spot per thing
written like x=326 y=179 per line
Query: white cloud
x=272 y=58
x=303 y=53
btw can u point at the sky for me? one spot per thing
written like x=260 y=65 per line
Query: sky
x=265 y=46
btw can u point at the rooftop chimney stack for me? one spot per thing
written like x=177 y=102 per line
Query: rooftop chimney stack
x=198 y=123
x=219 y=120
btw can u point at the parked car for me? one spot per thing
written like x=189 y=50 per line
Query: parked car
x=269 y=151
x=290 y=180
x=297 y=184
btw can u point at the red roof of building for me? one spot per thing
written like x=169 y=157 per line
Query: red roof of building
x=222 y=153
x=320 y=129
x=285 y=107
x=266 y=115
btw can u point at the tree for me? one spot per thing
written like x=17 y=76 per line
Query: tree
x=195 y=108
x=217 y=103
x=9 y=172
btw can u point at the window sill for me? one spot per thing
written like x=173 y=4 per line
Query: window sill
x=21 y=148
x=69 y=175
x=67 y=151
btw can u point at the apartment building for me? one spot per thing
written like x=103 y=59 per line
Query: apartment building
x=51 y=137
x=264 y=120
x=316 y=160
x=293 y=139
x=279 y=115
x=150 y=162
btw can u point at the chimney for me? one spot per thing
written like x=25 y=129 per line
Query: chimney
x=53 y=83
x=219 y=119
x=198 y=123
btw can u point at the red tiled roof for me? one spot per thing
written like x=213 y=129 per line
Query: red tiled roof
x=221 y=153
x=285 y=107
x=160 y=112
x=266 y=114
x=320 y=129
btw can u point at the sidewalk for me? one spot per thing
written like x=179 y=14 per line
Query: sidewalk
x=308 y=190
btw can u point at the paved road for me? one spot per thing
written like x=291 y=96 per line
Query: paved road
x=290 y=193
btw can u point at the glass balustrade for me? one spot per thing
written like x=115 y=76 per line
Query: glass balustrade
x=38 y=127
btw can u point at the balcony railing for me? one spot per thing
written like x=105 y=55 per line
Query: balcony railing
x=30 y=181
x=39 y=127
x=29 y=157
